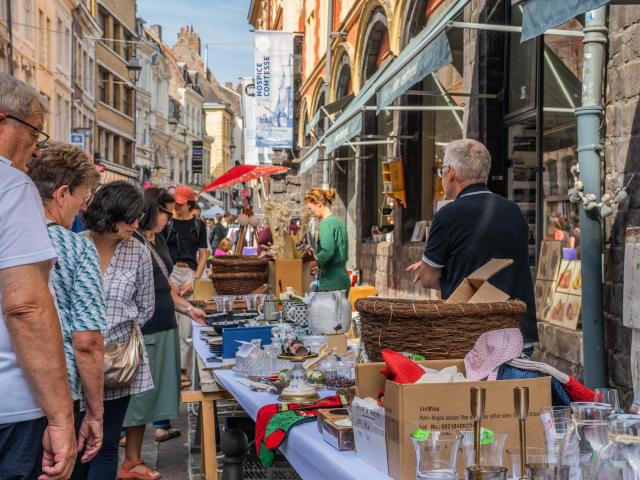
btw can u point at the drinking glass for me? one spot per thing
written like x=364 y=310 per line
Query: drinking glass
x=546 y=471
x=487 y=473
x=250 y=302
x=491 y=449
x=436 y=454
x=608 y=395
x=224 y=303
x=555 y=423
x=534 y=455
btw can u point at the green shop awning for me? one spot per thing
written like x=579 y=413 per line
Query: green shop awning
x=426 y=53
x=310 y=158
x=331 y=108
x=349 y=123
x=542 y=15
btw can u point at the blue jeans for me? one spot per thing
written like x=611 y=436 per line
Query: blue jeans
x=105 y=465
x=21 y=449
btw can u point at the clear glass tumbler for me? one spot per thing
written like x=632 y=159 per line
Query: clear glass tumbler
x=436 y=454
x=534 y=455
x=556 y=422
x=620 y=458
x=491 y=448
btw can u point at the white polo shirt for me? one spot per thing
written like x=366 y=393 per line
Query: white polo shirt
x=23 y=241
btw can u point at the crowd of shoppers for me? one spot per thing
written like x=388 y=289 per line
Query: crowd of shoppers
x=89 y=339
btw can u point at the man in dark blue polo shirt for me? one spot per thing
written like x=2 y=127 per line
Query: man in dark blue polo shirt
x=476 y=227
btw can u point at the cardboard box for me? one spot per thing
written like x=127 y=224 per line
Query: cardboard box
x=446 y=406
x=289 y=273
x=339 y=342
x=476 y=287
x=203 y=289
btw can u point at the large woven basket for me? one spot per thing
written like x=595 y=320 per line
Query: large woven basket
x=434 y=329
x=238 y=264
x=238 y=283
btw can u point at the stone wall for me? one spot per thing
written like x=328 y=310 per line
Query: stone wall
x=622 y=154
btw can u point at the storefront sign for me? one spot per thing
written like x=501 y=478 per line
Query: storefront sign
x=273 y=92
x=310 y=160
x=433 y=57
x=343 y=134
x=197 y=155
x=77 y=140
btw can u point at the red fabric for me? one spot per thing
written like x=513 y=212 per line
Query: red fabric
x=578 y=392
x=400 y=369
x=268 y=411
x=241 y=174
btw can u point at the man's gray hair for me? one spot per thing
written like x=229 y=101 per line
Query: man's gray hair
x=17 y=98
x=470 y=159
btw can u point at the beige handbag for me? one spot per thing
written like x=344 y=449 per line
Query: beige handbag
x=121 y=360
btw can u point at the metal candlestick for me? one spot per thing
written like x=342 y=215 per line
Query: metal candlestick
x=478 y=397
x=521 y=405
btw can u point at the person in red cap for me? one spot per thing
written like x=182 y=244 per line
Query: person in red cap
x=186 y=238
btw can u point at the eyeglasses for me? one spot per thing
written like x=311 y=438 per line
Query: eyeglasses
x=165 y=211
x=40 y=137
x=136 y=218
x=443 y=171
x=87 y=200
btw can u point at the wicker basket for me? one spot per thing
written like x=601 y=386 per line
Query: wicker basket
x=238 y=264
x=434 y=329
x=238 y=283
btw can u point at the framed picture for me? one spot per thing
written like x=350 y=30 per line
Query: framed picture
x=419 y=231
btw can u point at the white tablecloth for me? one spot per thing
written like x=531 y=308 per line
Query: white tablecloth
x=308 y=454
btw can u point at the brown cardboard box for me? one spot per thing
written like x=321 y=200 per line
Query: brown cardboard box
x=476 y=287
x=203 y=289
x=339 y=342
x=445 y=406
x=289 y=273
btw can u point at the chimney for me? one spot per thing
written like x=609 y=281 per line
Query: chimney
x=157 y=29
x=190 y=39
x=229 y=85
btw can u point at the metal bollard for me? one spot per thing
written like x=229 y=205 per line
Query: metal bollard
x=235 y=446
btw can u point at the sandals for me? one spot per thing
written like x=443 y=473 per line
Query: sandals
x=149 y=473
x=168 y=435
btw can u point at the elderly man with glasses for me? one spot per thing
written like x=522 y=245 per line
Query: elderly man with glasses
x=37 y=436
x=474 y=228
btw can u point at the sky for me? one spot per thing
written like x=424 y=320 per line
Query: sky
x=221 y=23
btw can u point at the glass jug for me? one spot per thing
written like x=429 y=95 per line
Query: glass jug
x=436 y=454
x=585 y=438
x=620 y=458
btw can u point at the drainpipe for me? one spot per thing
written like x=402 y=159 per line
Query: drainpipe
x=589 y=118
x=10 y=28
x=327 y=86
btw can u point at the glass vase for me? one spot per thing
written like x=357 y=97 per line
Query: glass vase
x=620 y=458
x=436 y=454
x=585 y=438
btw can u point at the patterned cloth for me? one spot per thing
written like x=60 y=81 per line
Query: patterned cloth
x=130 y=295
x=78 y=286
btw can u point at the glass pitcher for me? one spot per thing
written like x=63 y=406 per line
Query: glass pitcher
x=620 y=458
x=585 y=438
x=436 y=454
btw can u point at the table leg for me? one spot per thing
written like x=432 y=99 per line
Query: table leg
x=208 y=440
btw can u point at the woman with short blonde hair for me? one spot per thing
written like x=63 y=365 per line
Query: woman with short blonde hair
x=333 y=245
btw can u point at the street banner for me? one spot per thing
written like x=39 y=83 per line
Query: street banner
x=197 y=156
x=273 y=92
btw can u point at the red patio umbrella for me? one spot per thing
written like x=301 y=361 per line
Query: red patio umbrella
x=243 y=173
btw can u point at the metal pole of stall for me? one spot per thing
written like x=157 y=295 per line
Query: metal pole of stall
x=589 y=118
x=327 y=85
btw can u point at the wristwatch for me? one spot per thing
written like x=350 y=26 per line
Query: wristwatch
x=189 y=308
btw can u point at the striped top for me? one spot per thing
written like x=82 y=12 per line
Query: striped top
x=77 y=283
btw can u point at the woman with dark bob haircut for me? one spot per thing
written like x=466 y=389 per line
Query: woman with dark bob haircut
x=160 y=338
x=112 y=217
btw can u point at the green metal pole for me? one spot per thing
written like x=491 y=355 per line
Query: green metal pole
x=589 y=118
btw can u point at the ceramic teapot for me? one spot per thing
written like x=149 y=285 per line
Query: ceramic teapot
x=329 y=313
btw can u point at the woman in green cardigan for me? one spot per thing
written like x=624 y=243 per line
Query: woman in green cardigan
x=332 y=248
